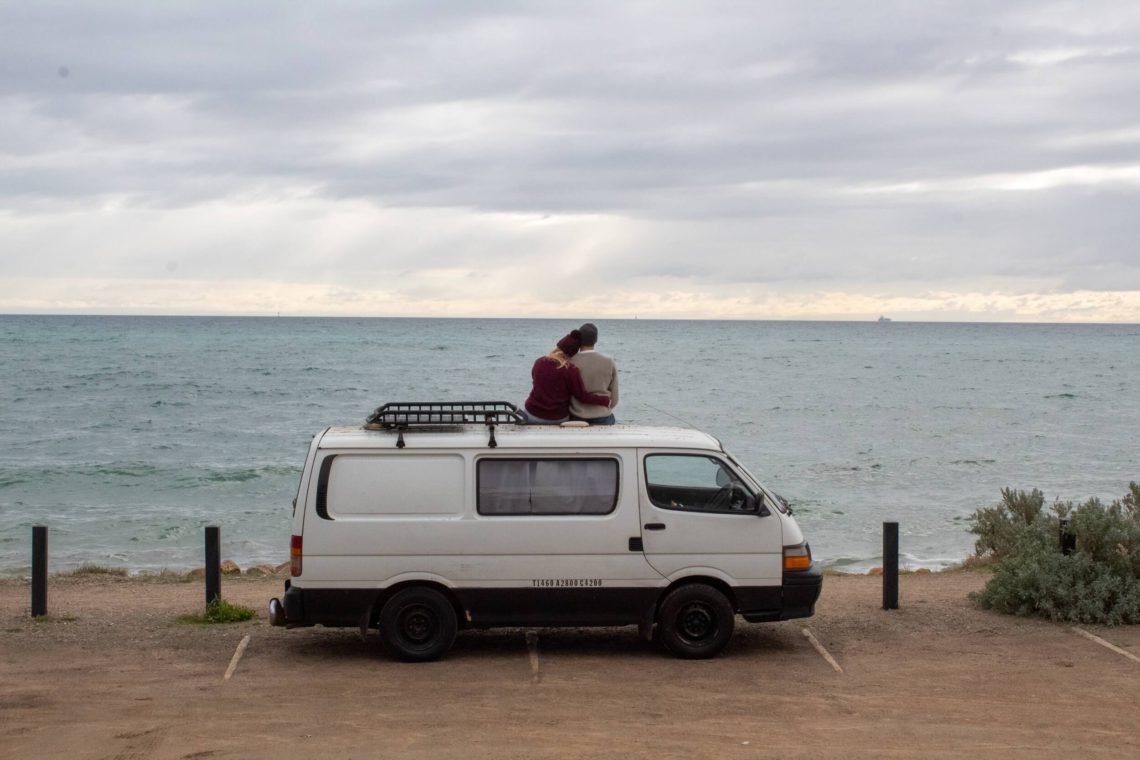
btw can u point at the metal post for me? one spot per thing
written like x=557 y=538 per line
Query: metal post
x=1068 y=540
x=890 y=566
x=213 y=563
x=39 y=569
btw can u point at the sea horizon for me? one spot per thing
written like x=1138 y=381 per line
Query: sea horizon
x=574 y=319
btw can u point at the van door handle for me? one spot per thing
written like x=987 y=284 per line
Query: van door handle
x=655 y=526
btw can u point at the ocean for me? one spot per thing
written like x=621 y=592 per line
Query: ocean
x=127 y=435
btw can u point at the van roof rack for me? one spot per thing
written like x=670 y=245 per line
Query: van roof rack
x=402 y=415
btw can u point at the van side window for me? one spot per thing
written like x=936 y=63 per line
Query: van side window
x=695 y=484
x=547 y=486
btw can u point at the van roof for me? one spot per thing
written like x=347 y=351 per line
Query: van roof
x=521 y=437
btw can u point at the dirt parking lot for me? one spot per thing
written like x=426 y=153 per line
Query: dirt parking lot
x=112 y=674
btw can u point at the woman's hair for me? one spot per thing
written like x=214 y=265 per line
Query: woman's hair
x=560 y=357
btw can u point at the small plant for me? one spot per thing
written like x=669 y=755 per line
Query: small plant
x=220 y=611
x=1099 y=582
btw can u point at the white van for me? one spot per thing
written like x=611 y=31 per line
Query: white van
x=439 y=516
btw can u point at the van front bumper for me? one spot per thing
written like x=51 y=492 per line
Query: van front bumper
x=798 y=594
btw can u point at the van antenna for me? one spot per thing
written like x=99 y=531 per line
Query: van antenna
x=670 y=414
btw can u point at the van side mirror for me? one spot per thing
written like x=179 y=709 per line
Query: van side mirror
x=756 y=504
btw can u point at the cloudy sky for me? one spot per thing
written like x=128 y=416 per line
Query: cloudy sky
x=803 y=160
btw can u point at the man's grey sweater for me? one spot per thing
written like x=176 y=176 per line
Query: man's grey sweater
x=599 y=375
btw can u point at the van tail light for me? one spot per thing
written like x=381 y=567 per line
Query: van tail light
x=797 y=557
x=295 y=556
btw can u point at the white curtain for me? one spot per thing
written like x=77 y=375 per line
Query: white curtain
x=504 y=487
x=548 y=486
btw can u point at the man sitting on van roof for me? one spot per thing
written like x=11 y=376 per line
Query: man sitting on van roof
x=599 y=375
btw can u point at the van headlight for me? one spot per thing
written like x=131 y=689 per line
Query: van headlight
x=797 y=557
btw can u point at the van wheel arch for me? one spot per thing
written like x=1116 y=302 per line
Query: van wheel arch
x=716 y=583
x=383 y=597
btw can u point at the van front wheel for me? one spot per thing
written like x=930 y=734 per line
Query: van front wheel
x=695 y=622
x=417 y=625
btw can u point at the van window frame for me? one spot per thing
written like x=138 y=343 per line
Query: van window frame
x=524 y=458
x=771 y=498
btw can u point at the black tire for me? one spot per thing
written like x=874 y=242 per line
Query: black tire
x=417 y=625
x=695 y=621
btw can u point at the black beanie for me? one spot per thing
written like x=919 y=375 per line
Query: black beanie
x=589 y=334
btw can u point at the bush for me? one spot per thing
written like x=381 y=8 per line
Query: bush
x=998 y=527
x=1098 y=583
x=221 y=611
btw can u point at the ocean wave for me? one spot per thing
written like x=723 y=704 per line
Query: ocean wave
x=135 y=471
x=238 y=475
x=235 y=476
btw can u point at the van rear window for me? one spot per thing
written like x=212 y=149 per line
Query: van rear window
x=547 y=486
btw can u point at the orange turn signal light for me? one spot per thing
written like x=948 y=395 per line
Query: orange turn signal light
x=797 y=557
x=797 y=562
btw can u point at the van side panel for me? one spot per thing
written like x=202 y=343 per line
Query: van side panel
x=374 y=518
x=364 y=486
x=396 y=514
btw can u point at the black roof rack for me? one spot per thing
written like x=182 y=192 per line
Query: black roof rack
x=402 y=415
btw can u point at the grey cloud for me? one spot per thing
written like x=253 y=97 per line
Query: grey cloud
x=733 y=127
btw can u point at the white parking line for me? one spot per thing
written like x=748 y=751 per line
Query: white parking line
x=532 y=650
x=1105 y=644
x=237 y=656
x=822 y=652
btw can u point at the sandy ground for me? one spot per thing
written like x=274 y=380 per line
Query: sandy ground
x=111 y=673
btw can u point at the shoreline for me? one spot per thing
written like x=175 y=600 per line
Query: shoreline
x=183 y=575
x=907 y=565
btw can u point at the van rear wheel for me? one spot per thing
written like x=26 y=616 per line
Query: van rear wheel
x=695 y=622
x=418 y=625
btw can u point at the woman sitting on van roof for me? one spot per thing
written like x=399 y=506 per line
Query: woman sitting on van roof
x=555 y=381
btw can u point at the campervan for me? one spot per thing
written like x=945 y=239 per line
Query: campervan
x=435 y=517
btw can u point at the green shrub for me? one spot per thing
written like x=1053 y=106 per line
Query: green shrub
x=1098 y=583
x=221 y=611
x=998 y=527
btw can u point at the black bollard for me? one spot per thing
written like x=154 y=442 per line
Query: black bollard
x=1068 y=540
x=213 y=563
x=39 y=570
x=890 y=566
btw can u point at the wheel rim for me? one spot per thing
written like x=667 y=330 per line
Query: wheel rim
x=417 y=624
x=696 y=622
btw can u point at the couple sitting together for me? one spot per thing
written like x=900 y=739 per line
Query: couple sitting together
x=573 y=382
